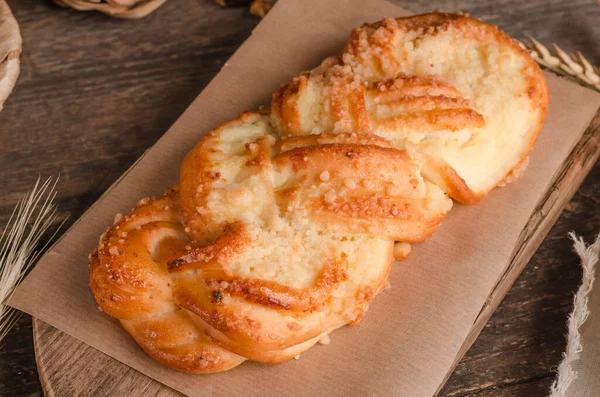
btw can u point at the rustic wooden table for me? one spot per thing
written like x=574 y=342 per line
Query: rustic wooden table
x=95 y=92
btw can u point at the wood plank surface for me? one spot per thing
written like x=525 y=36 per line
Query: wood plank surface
x=94 y=93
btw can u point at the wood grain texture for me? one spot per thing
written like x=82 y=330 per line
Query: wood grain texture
x=57 y=351
x=95 y=93
x=64 y=364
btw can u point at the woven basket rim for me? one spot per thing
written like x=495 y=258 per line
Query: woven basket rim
x=129 y=9
x=10 y=50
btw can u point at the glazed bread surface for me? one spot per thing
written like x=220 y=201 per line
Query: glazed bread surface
x=464 y=98
x=267 y=246
x=301 y=232
x=286 y=222
x=130 y=280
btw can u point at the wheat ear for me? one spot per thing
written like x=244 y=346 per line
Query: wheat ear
x=557 y=60
x=34 y=213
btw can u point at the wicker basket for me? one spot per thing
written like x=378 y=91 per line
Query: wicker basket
x=10 y=49
x=115 y=8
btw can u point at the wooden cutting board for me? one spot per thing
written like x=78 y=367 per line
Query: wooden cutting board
x=68 y=367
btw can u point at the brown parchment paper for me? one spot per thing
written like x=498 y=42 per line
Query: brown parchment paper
x=411 y=335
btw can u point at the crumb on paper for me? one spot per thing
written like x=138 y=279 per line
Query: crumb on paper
x=401 y=250
x=118 y=218
x=325 y=340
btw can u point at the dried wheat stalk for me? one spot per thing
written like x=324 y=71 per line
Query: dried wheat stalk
x=32 y=216
x=129 y=9
x=557 y=60
x=10 y=49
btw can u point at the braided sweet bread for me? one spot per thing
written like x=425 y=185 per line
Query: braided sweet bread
x=285 y=222
x=130 y=280
x=464 y=98
x=297 y=234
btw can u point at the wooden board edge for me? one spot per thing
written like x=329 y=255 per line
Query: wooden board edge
x=574 y=170
x=44 y=381
x=122 y=379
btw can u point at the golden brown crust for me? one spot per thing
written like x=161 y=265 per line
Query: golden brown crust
x=373 y=44
x=281 y=335
x=348 y=104
x=453 y=184
x=368 y=91
x=267 y=320
x=285 y=224
x=373 y=53
x=368 y=189
x=344 y=101
x=288 y=144
x=516 y=173
x=272 y=294
x=129 y=279
x=215 y=256
x=420 y=103
x=199 y=167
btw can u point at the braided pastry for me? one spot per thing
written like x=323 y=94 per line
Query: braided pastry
x=464 y=98
x=300 y=232
x=286 y=222
x=130 y=280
